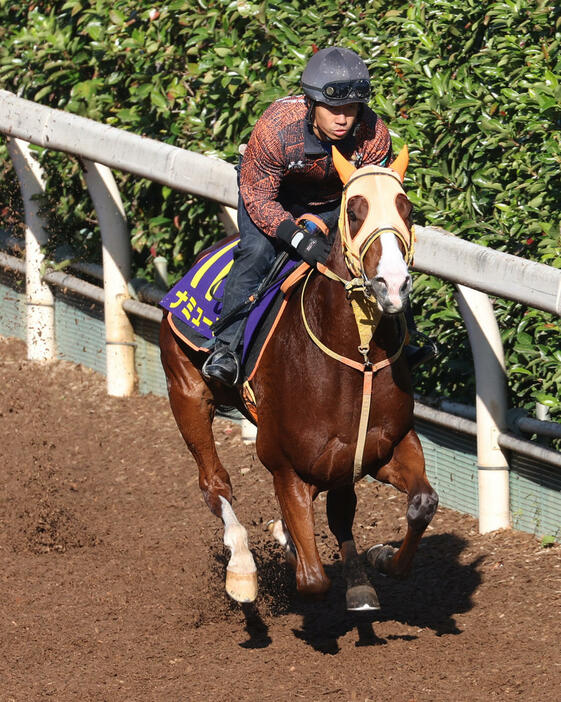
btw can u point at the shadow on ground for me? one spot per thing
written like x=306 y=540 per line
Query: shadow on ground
x=438 y=588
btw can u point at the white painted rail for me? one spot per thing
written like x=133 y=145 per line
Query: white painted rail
x=494 y=272
x=40 y=314
x=116 y=148
x=438 y=252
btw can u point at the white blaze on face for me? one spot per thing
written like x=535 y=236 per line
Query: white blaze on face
x=392 y=273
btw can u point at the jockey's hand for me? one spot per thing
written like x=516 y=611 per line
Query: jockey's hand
x=313 y=248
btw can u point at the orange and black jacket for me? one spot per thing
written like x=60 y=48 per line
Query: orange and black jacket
x=287 y=171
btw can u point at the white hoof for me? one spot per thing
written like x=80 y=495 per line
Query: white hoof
x=242 y=587
x=281 y=535
x=241 y=573
x=276 y=527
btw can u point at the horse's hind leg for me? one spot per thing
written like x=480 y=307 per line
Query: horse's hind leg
x=193 y=407
x=341 y=507
x=406 y=471
x=280 y=533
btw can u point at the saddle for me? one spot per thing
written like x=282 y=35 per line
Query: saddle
x=194 y=304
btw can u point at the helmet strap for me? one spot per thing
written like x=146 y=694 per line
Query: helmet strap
x=358 y=118
x=310 y=114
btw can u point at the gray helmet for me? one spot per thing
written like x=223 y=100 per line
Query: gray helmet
x=336 y=76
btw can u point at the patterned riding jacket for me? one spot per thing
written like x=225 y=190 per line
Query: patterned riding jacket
x=287 y=171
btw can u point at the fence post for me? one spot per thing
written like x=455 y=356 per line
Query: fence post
x=490 y=406
x=119 y=333
x=229 y=218
x=40 y=313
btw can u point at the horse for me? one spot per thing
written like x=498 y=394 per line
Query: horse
x=333 y=395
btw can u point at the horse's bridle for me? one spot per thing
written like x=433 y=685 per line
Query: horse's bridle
x=355 y=248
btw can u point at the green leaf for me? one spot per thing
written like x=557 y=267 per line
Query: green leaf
x=479 y=180
x=45 y=90
x=158 y=100
x=95 y=31
x=157 y=221
x=545 y=399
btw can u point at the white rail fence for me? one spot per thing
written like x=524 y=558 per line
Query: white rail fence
x=477 y=272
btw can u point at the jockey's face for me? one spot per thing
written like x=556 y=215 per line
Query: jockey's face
x=332 y=123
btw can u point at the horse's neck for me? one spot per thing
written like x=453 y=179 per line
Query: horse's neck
x=332 y=296
x=336 y=260
x=334 y=314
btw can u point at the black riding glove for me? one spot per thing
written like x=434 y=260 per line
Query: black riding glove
x=312 y=248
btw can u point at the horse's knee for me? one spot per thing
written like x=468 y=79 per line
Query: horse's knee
x=421 y=509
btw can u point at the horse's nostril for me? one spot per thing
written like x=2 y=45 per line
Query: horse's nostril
x=405 y=288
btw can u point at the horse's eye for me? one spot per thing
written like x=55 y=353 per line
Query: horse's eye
x=352 y=216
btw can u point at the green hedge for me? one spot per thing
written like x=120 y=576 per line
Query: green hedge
x=472 y=87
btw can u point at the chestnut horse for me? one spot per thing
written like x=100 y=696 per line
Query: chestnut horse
x=333 y=395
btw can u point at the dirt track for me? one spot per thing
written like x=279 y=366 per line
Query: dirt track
x=112 y=574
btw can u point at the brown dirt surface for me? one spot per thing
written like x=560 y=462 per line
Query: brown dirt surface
x=112 y=572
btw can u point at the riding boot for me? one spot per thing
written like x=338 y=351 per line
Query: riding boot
x=223 y=365
x=417 y=355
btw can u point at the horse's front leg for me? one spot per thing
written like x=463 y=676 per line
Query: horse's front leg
x=406 y=472
x=296 y=502
x=192 y=404
x=341 y=508
x=241 y=573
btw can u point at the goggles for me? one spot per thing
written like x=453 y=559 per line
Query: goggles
x=343 y=89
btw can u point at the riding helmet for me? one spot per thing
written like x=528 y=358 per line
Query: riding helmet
x=336 y=76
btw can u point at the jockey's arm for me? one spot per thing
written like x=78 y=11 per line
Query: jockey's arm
x=260 y=179
x=261 y=175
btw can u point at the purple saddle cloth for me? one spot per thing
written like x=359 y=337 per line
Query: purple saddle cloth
x=196 y=300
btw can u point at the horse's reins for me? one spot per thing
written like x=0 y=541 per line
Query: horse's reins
x=366 y=311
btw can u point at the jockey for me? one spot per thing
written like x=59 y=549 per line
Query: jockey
x=286 y=172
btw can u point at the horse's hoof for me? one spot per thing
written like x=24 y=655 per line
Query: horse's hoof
x=379 y=556
x=362 y=598
x=242 y=587
x=275 y=526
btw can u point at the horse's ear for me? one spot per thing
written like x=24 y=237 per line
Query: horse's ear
x=342 y=166
x=399 y=165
